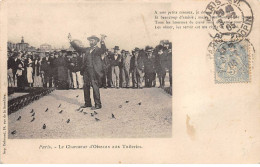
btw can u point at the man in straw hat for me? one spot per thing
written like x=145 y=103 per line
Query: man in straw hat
x=91 y=68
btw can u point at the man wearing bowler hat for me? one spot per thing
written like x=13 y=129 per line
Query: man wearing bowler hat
x=115 y=63
x=92 y=68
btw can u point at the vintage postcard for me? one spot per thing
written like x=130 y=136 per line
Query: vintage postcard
x=143 y=81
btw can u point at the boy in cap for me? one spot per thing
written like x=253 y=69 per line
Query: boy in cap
x=75 y=66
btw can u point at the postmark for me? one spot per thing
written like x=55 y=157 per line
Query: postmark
x=232 y=62
x=232 y=20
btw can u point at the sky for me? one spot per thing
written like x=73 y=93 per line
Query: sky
x=127 y=25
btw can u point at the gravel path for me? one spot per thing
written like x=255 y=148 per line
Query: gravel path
x=138 y=113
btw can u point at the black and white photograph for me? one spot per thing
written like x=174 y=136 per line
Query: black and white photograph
x=83 y=70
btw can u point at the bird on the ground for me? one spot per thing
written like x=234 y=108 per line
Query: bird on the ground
x=139 y=103
x=61 y=111
x=77 y=96
x=33 y=114
x=113 y=116
x=32 y=111
x=95 y=113
x=33 y=119
x=97 y=119
x=92 y=115
x=78 y=109
x=44 y=126
x=46 y=109
x=19 y=118
x=81 y=110
x=120 y=106
x=68 y=120
x=127 y=101
x=59 y=106
x=85 y=113
x=13 y=132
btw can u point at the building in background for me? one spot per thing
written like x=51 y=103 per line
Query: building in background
x=22 y=45
x=45 y=47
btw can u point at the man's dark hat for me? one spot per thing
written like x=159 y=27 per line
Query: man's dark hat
x=122 y=51
x=166 y=41
x=93 y=37
x=116 y=48
x=69 y=52
x=148 y=49
x=136 y=50
x=159 y=47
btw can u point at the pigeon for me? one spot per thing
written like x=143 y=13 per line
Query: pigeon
x=46 y=110
x=44 y=126
x=81 y=110
x=32 y=111
x=33 y=119
x=95 y=113
x=78 y=109
x=77 y=96
x=127 y=101
x=92 y=115
x=113 y=116
x=61 y=111
x=68 y=121
x=139 y=103
x=85 y=113
x=120 y=106
x=33 y=114
x=13 y=132
x=59 y=106
x=97 y=119
x=19 y=118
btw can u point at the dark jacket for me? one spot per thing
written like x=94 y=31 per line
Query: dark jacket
x=117 y=61
x=161 y=62
x=149 y=64
x=45 y=66
x=106 y=63
x=75 y=64
x=91 y=60
x=139 y=64
x=169 y=60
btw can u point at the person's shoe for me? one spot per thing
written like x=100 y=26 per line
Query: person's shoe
x=86 y=105
x=97 y=107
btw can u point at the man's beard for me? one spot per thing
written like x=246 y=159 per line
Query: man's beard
x=92 y=44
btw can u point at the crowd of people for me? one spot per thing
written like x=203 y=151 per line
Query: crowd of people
x=63 y=69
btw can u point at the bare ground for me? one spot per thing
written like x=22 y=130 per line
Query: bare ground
x=153 y=118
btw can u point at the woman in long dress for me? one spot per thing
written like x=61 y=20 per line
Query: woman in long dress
x=30 y=74
x=37 y=76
